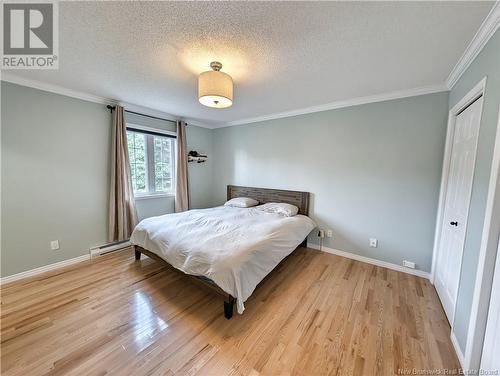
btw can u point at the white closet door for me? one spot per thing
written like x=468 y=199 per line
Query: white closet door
x=456 y=207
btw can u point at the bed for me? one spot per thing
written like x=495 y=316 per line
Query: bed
x=227 y=249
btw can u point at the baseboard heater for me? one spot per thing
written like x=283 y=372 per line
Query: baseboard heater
x=108 y=248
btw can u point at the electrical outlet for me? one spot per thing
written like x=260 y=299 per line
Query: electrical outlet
x=329 y=233
x=321 y=233
x=54 y=245
x=373 y=242
x=409 y=264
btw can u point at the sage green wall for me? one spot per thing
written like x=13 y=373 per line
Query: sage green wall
x=200 y=174
x=487 y=63
x=55 y=153
x=374 y=170
x=55 y=173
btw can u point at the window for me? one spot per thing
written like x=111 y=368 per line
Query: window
x=152 y=162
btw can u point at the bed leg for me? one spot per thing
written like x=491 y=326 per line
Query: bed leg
x=137 y=254
x=304 y=243
x=228 y=308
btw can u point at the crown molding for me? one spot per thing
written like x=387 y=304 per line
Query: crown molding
x=200 y=123
x=8 y=77
x=484 y=33
x=56 y=89
x=344 y=103
x=488 y=27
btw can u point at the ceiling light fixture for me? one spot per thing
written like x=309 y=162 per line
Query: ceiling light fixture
x=215 y=88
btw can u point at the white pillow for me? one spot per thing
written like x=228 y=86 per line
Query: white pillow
x=287 y=210
x=242 y=202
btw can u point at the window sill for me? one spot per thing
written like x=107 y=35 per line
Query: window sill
x=147 y=197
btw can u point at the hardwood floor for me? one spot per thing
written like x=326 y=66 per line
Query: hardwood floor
x=318 y=314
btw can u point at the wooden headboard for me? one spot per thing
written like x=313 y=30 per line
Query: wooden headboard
x=265 y=195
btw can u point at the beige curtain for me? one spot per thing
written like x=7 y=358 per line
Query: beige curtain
x=122 y=213
x=182 y=187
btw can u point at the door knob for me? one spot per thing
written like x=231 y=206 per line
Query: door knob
x=454 y=223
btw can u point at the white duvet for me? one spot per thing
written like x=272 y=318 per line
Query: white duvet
x=234 y=247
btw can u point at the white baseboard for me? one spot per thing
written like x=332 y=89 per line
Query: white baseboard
x=43 y=269
x=368 y=260
x=458 y=351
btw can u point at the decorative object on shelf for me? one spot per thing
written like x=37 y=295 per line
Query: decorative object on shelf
x=215 y=88
x=194 y=156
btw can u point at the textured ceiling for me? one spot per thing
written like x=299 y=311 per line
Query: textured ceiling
x=282 y=55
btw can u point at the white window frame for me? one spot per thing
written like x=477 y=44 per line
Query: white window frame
x=150 y=161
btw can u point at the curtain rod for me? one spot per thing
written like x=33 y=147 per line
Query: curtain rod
x=111 y=108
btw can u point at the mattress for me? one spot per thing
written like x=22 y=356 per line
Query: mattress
x=234 y=247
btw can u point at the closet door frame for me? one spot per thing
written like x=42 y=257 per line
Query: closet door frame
x=486 y=264
x=465 y=357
